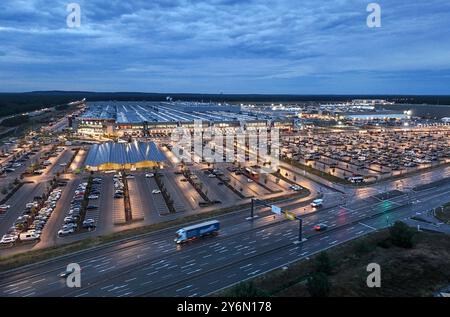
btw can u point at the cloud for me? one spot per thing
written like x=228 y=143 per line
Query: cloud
x=244 y=46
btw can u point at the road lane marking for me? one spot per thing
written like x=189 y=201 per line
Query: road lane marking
x=370 y=227
x=183 y=288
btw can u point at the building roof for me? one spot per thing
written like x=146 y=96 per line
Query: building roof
x=138 y=112
x=123 y=153
x=375 y=115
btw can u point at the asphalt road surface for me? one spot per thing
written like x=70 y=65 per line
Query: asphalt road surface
x=152 y=265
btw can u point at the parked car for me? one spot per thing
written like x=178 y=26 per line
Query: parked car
x=64 y=232
x=8 y=239
x=69 y=219
x=89 y=223
x=156 y=191
x=70 y=225
x=29 y=236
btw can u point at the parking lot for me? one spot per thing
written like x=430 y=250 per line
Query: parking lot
x=370 y=155
x=154 y=204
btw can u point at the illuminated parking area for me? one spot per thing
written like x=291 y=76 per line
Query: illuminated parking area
x=370 y=154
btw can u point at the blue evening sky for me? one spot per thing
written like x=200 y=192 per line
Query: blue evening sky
x=229 y=46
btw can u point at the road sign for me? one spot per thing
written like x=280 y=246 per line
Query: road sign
x=289 y=215
x=276 y=210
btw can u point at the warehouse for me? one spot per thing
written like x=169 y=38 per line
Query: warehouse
x=374 y=116
x=129 y=156
x=140 y=119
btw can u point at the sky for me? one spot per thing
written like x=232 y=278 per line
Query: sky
x=226 y=46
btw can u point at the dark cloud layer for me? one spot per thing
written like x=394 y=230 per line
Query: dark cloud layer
x=231 y=46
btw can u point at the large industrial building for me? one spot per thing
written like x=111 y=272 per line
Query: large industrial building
x=117 y=156
x=140 y=119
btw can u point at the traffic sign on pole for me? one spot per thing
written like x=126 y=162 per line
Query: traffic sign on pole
x=276 y=210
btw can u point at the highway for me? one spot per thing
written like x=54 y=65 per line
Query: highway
x=152 y=265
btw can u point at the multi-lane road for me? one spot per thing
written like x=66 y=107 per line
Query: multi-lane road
x=152 y=265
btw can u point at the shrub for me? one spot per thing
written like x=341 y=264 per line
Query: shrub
x=362 y=247
x=318 y=285
x=246 y=289
x=401 y=235
x=323 y=263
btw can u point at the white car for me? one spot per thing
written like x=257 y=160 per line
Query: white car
x=69 y=226
x=68 y=219
x=63 y=164
x=211 y=175
x=156 y=191
x=64 y=232
x=8 y=239
x=317 y=203
x=93 y=197
x=249 y=180
x=149 y=175
x=29 y=236
x=31 y=205
x=4 y=207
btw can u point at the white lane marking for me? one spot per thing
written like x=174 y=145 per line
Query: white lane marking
x=370 y=227
x=180 y=289
x=38 y=281
x=131 y=279
x=145 y=283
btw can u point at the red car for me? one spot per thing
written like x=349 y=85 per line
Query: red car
x=320 y=227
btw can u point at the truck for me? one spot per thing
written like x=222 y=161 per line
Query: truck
x=197 y=231
x=355 y=179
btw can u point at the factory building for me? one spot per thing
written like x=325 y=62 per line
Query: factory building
x=139 y=119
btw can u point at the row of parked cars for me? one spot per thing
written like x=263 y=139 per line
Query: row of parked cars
x=14 y=163
x=118 y=186
x=29 y=226
x=73 y=216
